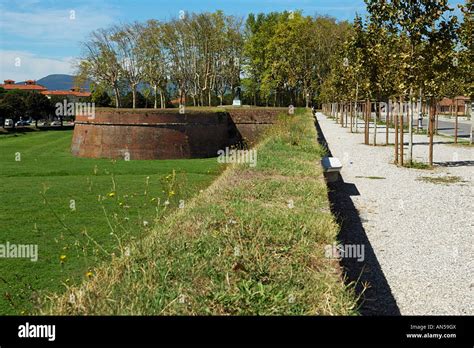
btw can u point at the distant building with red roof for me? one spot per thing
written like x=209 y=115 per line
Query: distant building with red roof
x=73 y=92
x=31 y=85
x=459 y=105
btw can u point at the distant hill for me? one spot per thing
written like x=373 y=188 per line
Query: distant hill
x=61 y=82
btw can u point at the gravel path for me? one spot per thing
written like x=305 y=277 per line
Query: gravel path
x=421 y=232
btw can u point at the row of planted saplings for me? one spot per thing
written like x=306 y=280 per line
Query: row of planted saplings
x=393 y=114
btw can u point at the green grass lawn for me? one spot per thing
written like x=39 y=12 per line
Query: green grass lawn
x=115 y=202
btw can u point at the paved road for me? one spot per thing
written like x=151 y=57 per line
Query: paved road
x=446 y=127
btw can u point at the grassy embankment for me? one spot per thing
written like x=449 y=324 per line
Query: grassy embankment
x=251 y=243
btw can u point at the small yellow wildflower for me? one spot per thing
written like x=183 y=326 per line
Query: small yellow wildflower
x=111 y=194
x=89 y=274
x=62 y=258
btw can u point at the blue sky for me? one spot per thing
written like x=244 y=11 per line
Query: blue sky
x=41 y=37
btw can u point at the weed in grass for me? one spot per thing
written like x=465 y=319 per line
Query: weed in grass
x=417 y=165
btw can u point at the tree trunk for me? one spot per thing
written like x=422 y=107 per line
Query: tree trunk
x=410 y=128
x=367 y=115
x=401 y=132
x=134 y=96
x=156 y=99
x=342 y=107
x=395 y=121
x=437 y=112
x=431 y=130
x=356 y=116
x=346 y=108
x=427 y=111
x=377 y=114
x=419 y=112
x=355 y=105
x=471 y=111
x=423 y=107
x=387 y=121
x=456 y=124
x=339 y=113
x=343 y=113
x=351 y=114
x=117 y=97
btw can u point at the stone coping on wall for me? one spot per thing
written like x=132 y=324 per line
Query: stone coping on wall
x=173 y=116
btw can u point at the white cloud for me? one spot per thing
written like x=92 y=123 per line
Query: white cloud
x=31 y=66
x=66 y=25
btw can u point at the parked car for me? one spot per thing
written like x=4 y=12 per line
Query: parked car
x=8 y=122
x=55 y=123
x=22 y=123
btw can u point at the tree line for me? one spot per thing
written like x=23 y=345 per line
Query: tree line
x=199 y=59
x=31 y=105
x=406 y=52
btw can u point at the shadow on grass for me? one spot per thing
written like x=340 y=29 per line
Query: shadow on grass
x=378 y=298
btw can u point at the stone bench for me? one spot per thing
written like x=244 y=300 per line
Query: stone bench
x=332 y=167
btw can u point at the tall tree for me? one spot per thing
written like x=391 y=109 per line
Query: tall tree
x=38 y=106
x=13 y=103
x=178 y=46
x=153 y=60
x=466 y=56
x=100 y=61
x=129 y=53
x=429 y=29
